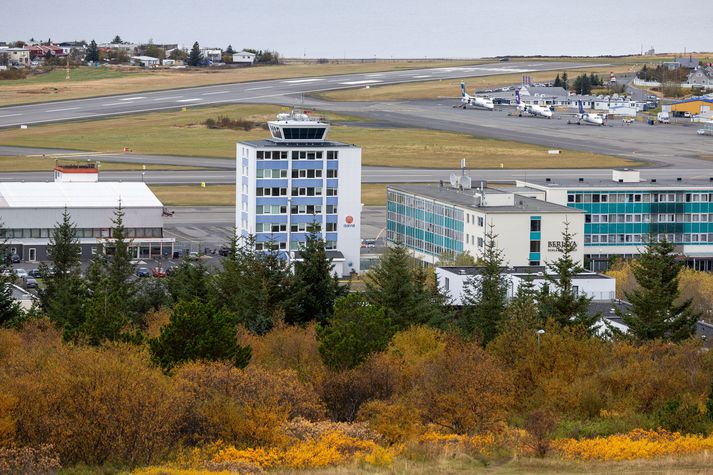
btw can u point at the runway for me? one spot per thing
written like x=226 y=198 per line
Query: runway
x=270 y=90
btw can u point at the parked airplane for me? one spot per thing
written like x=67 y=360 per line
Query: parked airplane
x=531 y=109
x=475 y=101
x=588 y=118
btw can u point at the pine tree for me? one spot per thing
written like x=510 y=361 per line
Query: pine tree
x=116 y=40
x=565 y=83
x=195 y=58
x=316 y=286
x=557 y=82
x=485 y=294
x=396 y=286
x=522 y=311
x=229 y=50
x=63 y=295
x=198 y=331
x=558 y=300
x=357 y=330
x=655 y=311
x=92 y=53
x=10 y=311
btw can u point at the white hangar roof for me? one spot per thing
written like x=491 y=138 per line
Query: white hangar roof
x=77 y=195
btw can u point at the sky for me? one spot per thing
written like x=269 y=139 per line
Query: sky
x=375 y=28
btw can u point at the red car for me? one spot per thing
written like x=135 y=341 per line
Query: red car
x=158 y=272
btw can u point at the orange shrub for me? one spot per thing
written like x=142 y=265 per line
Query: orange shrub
x=395 y=421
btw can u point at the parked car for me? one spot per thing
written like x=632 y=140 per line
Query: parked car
x=21 y=273
x=143 y=272
x=170 y=270
x=30 y=283
x=35 y=273
x=158 y=272
x=224 y=251
x=15 y=259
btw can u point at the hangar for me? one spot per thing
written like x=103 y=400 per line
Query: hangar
x=695 y=106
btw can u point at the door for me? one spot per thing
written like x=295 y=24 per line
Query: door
x=32 y=252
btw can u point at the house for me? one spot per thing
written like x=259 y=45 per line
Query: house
x=23 y=297
x=17 y=56
x=41 y=51
x=128 y=48
x=69 y=46
x=214 y=55
x=545 y=96
x=700 y=77
x=145 y=61
x=171 y=62
x=690 y=62
x=244 y=57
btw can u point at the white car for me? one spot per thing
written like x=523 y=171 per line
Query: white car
x=701 y=131
x=20 y=273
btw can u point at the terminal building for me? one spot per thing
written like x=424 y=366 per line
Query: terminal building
x=434 y=221
x=298 y=178
x=621 y=213
x=30 y=211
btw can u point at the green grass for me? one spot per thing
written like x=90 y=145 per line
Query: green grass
x=76 y=74
x=37 y=164
x=182 y=133
x=195 y=195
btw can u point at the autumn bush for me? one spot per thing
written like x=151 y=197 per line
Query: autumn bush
x=41 y=460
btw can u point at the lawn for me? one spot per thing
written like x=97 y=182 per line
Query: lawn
x=38 y=164
x=124 y=80
x=181 y=133
x=195 y=195
x=451 y=87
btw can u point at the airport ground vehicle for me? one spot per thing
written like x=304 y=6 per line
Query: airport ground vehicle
x=663 y=118
x=143 y=272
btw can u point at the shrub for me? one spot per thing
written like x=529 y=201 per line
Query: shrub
x=540 y=425
x=28 y=460
x=395 y=421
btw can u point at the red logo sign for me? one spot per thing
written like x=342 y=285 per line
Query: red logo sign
x=349 y=220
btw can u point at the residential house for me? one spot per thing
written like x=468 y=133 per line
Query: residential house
x=214 y=55
x=145 y=61
x=244 y=57
x=700 y=77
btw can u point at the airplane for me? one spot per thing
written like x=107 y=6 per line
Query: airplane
x=475 y=101
x=587 y=118
x=531 y=109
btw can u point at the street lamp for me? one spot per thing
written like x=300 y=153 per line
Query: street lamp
x=539 y=333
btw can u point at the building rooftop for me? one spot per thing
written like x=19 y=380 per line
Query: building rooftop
x=270 y=143
x=467 y=199
x=536 y=272
x=597 y=183
x=76 y=195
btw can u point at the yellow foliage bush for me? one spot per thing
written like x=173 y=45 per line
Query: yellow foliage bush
x=637 y=444
x=395 y=421
x=484 y=446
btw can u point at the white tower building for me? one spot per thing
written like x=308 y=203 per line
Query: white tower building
x=296 y=178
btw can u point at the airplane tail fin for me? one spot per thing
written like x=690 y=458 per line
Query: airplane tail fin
x=462 y=88
x=517 y=96
x=581 y=107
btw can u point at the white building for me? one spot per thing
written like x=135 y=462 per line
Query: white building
x=145 y=61
x=598 y=287
x=296 y=178
x=245 y=57
x=17 y=56
x=214 y=55
x=29 y=212
x=433 y=221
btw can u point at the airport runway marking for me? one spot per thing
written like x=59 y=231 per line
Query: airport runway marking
x=166 y=98
x=65 y=109
x=299 y=81
x=110 y=104
x=190 y=100
x=258 y=88
x=135 y=98
x=10 y=115
x=422 y=76
x=212 y=93
x=365 y=81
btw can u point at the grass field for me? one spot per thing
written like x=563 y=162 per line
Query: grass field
x=37 y=164
x=76 y=75
x=451 y=87
x=181 y=133
x=195 y=195
x=125 y=81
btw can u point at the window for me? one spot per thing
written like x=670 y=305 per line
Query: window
x=481 y=221
x=480 y=242
x=332 y=173
x=332 y=155
x=331 y=192
x=535 y=225
x=331 y=209
x=306 y=173
x=534 y=263
x=534 y=246
x=271 y=173
x=331 y=227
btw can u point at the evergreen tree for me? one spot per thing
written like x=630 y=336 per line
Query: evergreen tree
x=190 y=281
x=116 y=40
x=92 y=53
x=63 y=296
x=10 y=311
x=655 y=311
x=316 y=286
x=485 y=294
x=565 y=80
x=356 y=331
x=229 y=50
x=198 y=331
x=522 y=311
x=195 y=58
x=558 y=300
x=557 y=82
x=395 y=285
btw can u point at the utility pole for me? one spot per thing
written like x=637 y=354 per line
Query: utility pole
x=67 y=75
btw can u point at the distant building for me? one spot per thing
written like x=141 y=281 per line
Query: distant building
x=30 y=212
x=453 y=279
x=145 y=61
x=700 y=77
x=452 y=219
x=694 y=106
x=41 y=51
x=214 y=55
x=128 y=48
x=17 y=56
x=245 y=57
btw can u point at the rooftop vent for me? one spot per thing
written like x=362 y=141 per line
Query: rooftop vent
x=461 y=271
x=548 y=180
x=678 y=179
x=653 y=180
x=621 y=180
x=581 y=180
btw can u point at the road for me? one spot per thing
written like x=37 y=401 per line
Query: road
x=271 y=91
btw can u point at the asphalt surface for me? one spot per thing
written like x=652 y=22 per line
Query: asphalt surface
x=270 y=91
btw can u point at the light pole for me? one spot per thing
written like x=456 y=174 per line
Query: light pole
x=539 y=333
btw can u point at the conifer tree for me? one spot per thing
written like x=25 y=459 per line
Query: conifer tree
x=195 y=58
x=485 y=294
x=229 y=50
x=656 y=311
x=92 y=53
x=557 y=82
x=565 y=80
x=316 y=286
x=522 y=311
x=63 y=295
x=395 y=285
x=10 y=311
x=558 y=300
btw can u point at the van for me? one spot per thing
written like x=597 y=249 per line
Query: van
x=663 y=118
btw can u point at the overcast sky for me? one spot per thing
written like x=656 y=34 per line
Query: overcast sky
x=382 y=28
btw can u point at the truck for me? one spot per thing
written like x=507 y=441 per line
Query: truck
x=663 y=118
